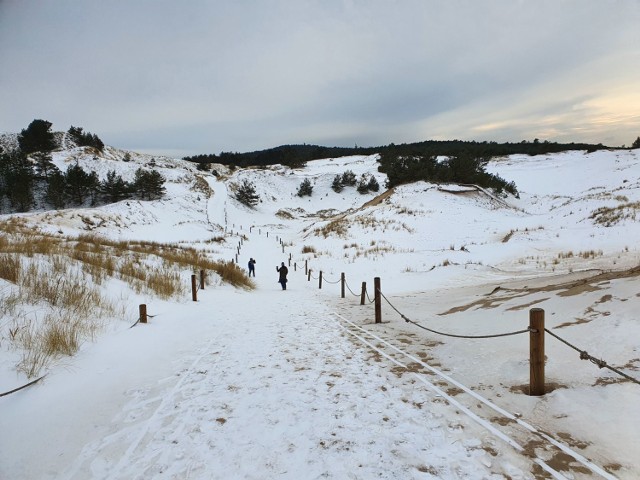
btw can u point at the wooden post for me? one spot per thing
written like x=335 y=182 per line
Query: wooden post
x=143 y=313
x=305 y=267
x=267 y=234
x=342 y=286
x=236 y=258
x=282 y=248
x=309 y=276
x=295 y=265
x=289 y=261
x=378 y=302
x=289 y=256
x=194 y=289
x=201 y=279
x=363 y=293
x=320 y=280
x=536 y=352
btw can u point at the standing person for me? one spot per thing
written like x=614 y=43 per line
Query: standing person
x=252 y=267
x=283 y=275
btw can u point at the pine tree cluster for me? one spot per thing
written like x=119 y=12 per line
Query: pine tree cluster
x=26 y=183
x=85 y=139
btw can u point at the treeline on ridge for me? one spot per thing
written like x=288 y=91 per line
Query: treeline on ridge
x=296 y=155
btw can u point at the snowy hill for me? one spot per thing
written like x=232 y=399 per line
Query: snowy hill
x=256 y=384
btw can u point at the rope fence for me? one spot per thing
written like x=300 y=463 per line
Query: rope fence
x=585 y=356
x=408 y=320
x=536 y=330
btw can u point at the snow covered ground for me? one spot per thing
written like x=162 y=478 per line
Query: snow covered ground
x=302 y=383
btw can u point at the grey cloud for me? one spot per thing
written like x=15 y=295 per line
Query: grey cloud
x=227 y=75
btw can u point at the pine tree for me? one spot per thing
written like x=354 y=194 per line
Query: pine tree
x=18 y=180
x=348 y=178
x=246 y=194
x=44 y=165
x=636 y=143
x=363 y=185
x=115 y=188
x=56 y=189
x=305 y=189
x=148 y=185
x=337 y=184
x=156 y=185
x=373 y=184
x=37 y=137
x=77 y=183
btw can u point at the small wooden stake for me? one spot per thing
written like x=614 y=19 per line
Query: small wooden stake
x=342 y=285
x=363 y=293
x=194 y=288
x=143 y=313
x=201 y=279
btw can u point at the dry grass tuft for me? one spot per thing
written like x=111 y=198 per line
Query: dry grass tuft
x=10 y=267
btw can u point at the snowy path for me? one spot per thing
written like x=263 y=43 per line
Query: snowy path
x=246 y=395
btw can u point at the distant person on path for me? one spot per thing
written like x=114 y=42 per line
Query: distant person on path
x=283 y=275
x=252 y=267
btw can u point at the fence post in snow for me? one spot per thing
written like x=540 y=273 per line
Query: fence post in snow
x=295 y=265
x=282 y=248
x=378 y=303
x=536 y=352
x=309 y=276
x=143 y=313
x=201 y=279
x=289 y=261
x=194 y=289
x=342 y=282
x=236 y=258
x=363 y=293
x=305 y=267
x=320 y=280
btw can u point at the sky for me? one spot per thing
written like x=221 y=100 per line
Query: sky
x=182 y=78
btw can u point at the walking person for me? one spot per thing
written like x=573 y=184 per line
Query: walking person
x=283 y=275
x=252 y=267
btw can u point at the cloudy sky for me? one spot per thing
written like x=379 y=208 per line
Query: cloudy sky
x=204 y=76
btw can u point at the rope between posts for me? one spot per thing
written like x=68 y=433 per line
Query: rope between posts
x=23 y=386
x=138 y=320
x=585 y=356
x=451 y=334
x=349 y=288
x=327 y=281
x=368 y=297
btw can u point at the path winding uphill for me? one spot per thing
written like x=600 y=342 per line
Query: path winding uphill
x=256 y=385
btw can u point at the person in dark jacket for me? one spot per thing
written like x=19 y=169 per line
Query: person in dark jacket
x=283 y=275
x=252 y=267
